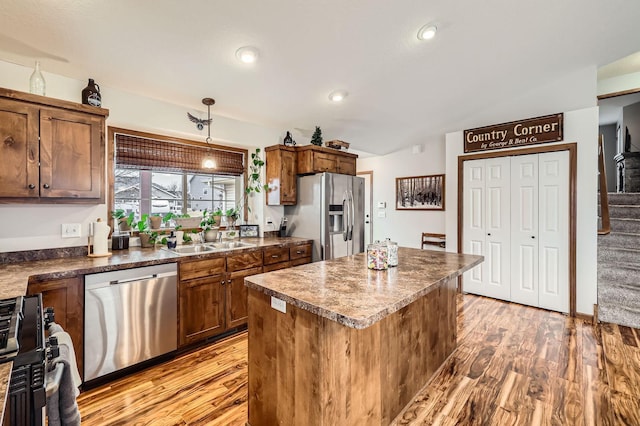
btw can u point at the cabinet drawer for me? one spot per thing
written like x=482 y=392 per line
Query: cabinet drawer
x=296 y=252
x=276 y=266
x=275 y=255
x=301 y=261
x=201 y=268
x=241 y=261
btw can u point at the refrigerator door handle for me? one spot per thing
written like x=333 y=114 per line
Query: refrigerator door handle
x=345 y=217
x=352 y=209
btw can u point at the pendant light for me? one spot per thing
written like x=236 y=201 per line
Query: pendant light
x=207 y=162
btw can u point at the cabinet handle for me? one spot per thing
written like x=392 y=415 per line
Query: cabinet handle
x=32 y=186
x=222 y=282
x=228 y=281
x=275 y=256
x=45 y=186
x=298 y=251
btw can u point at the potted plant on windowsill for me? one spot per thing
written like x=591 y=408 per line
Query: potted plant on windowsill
x=123 y=220
x=209 y=225
x=155 y=220
x=144 y=232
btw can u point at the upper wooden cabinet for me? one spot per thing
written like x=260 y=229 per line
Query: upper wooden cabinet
x=316 y=159
x=53 y=150
x=285 y=162
x=281 y=175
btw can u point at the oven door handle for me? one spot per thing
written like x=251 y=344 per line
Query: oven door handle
x=53 y=379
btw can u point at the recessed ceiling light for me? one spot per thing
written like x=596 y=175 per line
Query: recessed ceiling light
x=338 y=95
x=247 y=54
x=427 y=32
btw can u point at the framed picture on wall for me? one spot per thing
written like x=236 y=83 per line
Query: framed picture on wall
x=420 y=193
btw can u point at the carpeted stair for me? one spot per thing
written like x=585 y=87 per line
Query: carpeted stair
x=619 y=263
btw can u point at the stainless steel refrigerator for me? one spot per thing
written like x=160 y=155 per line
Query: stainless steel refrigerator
x=330 y=210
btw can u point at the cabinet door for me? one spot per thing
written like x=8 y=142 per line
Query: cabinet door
x=281 y=175
x=65 y=296
x=201 y=308
x=71 y=154
x=323 y=162
x=19 y=173
x=288 y=178
x=237 y=297
x=346 y=165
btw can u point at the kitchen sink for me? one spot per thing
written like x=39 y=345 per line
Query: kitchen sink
x=194 y=249
x=209 y=247
x=226 y=245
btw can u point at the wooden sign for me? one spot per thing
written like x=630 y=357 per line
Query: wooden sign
x=531 y=131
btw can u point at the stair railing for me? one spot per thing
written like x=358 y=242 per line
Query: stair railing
x=604 y=196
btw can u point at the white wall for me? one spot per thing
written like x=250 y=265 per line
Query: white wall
x=29 y=226
x=580 y=126
x=404 y=227
x=619 y=83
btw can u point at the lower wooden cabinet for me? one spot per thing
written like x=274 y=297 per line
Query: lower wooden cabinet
x=213 y=297
x=236 y=297
x=201 y=308
x=66 y=297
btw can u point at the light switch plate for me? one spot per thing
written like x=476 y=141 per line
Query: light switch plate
x=279 y=304
x=382 y=205
x=71 y=230
x=382 y=214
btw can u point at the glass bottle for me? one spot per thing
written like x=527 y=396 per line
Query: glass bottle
x=37 y=84
x=91 y=94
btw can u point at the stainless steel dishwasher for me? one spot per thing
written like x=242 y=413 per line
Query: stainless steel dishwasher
x=130 y=316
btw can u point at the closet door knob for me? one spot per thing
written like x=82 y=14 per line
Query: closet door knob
x=489 y=233
x=533 y=236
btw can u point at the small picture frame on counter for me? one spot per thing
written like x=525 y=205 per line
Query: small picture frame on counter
x=249 y=231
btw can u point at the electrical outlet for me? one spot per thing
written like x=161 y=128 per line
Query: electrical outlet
x=279 y=305
x=382 y=214
x=71 y=230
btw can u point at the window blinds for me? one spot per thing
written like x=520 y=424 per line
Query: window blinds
x=142 y=153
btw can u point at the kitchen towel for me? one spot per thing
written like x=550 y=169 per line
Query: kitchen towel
x=64 y=339
x=62 y=407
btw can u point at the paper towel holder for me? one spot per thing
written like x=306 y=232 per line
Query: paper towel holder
x=91 y=240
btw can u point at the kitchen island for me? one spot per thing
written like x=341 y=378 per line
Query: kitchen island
x=353 y=345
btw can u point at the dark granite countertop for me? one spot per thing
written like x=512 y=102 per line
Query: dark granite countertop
x=346 y=291
x=14 y=277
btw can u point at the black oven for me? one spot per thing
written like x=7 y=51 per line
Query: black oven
x=22 y=340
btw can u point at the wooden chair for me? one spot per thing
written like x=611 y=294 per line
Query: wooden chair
x=430 y=239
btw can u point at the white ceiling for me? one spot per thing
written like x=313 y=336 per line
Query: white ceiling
x=401 y=91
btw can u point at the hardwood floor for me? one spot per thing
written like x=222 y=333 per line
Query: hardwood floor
x=513 y=366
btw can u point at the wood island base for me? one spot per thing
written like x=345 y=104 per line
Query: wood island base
x=309 y=370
